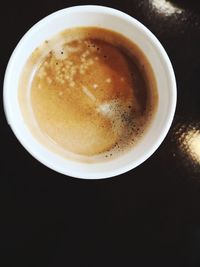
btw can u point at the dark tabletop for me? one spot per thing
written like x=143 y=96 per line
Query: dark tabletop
x=149 y=216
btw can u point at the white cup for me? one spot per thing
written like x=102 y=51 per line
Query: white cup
x=110 y=19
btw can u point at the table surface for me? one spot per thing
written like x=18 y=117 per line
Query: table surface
x=148 y=216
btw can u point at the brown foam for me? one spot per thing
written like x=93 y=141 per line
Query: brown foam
x=93 y=90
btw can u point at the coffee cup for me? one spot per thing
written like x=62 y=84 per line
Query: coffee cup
x=106 y=18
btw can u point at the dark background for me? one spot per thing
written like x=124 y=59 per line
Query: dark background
x=147 y=217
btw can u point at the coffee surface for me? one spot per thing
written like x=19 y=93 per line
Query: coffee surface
x=92 y=91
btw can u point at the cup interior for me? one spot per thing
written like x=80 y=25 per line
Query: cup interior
x=107 y=18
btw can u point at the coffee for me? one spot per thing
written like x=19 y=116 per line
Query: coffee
x=88 y=92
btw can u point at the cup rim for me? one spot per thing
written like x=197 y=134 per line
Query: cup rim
x=156 y=43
